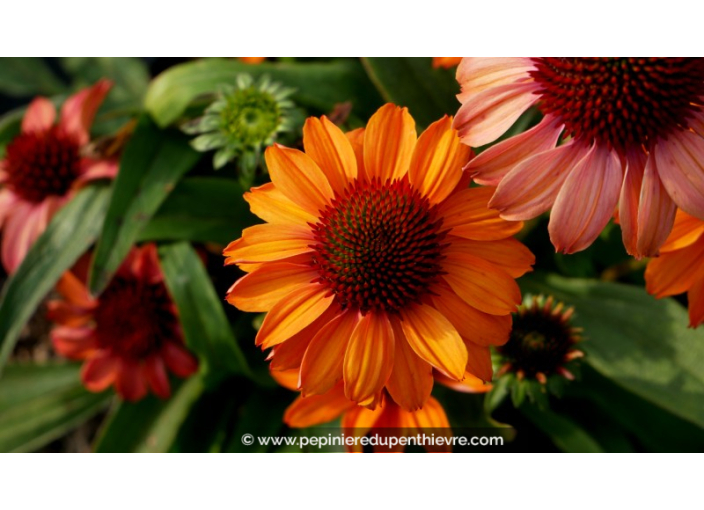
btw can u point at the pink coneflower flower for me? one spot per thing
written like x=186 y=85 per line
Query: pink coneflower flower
x=44 y=166
x=633 y=129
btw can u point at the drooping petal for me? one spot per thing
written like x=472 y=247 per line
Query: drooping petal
x=686 y=231
x=94 y=169
x=508 y=254
x=7 y=203
x=178 y=360
x=75 y=292
x=467 y=214
x=437 y=159
x=630 y=199
x=356 y=138
x=411 y=379
x=492 y=165
x=656 y=213
x=99 y=372
x=696 y=303
x=369 y=358
x=299 y=178
x=269 y=242
x=321 y=367
x=432 y=416
x=261 y=289
x=293 y=313
x=532 y=186
x=481 y=284
x=434 y=339
x=40 y=115
x=79 y=110
x=477 y=327
x=286 y=378
x=470 y=383
x=272 y=206
x=476 y=74
x=22 y=227
x=145 y=264
x=155 y=375
x=67 y=314
x=674 y=272
x=479 y=361
x=586 y=202
x=74 y=342
x=316 y=409
x=331 y=150
x=130 y=382
x=680 y=164
x=486 y=116
x=389 y=140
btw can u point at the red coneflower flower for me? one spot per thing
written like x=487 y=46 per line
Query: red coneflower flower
x=634 y=130
x=43 y=167
x=129 y=335
x=378 y=263
x=680 y=266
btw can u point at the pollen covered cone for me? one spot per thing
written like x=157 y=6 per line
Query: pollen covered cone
x=44 y=166
x=129 y=336
x=387 y=419
x=377 y=263
x=633 y=137
x=680 y=266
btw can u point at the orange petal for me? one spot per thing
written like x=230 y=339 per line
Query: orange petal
x=265 y=243
x=268 y=203
x=508 y=254
x=434 y=339
x=78 y=111
x=696 y=303
x=331 y=150
x=99 y=372
x=467 y=214
x=437 y=162
x=298 y=177
x=75 y=292
x=293 y=313
x=477 y=327
x=369 y=358
x=68 y=314
x=481 y=284
x=675 y=272
x=261 y=289
x=388 y=143
x=479 y=361
x=321 y=367
x=432 y=416
x=317 y=409
x=40 y=115
x=286 y=378
x=470 y=383
x=74 y=342
x=686 y=231
x=411 y=380
x=356 y=138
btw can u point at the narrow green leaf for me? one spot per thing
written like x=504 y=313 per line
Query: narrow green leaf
x=318 y=85
x=201 y=209
x=638 y=342
x=40 y=403
x=203 y=319
x=567 y=435
x=152 y=164
x=67 y=237
x=150 y=425
x=28 y=76
x=428 y=93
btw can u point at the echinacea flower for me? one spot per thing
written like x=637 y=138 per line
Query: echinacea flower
x=446 y=62
x=43 y=167
x=245 y=118
x=377 y=263
x=633 y=129
x=680 y=266
x=128 y=336
x=388 y=418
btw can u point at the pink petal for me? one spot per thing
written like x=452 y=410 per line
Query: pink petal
x=587 y=201
x=93 y=169
x=494 y=163
x=40 y=115
x=24 y=224
x=486 y=116
x=656 y=213
x=476 y=74
x=531 y=187
x=79 y=110
x=680 y=164
x=7 y=203
x=630 y=199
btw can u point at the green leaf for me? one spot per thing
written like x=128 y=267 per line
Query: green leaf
x=40 y=403
x=201 y=209
x=428 y=93
x=638 y=342
x=567 y=435
x=28 y=76
x=150 y=425
x=207 y=331
x=68 y=236
x=319 y=85
x=152 y=164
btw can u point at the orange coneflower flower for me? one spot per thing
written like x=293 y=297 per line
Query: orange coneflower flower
x=446 y=62
x=43 y=167
x=377 y=262
x=680 y=266
x=129 y=335
x=252 y=60
x=635 y=128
